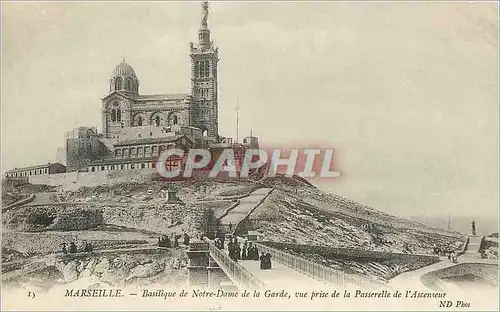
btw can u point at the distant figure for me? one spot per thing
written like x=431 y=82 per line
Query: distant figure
x=85 y=247
x=72 y=248
x=237 y=250
x=221 y=236
x=64 y=250
x=268 y=261
x=262 y=261
x=231 y=246
x=265 y=261
x=176 y=241
x=230 y=227
x=473 y=228
x=253 y=252
x=244 y=252
x=186 y=239
x=217 y=243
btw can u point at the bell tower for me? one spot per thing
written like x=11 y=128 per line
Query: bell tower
x=204 y=83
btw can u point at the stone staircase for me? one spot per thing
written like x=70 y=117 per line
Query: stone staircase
x=474 y=246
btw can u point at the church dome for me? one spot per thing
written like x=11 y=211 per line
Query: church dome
x=124 y=79
x=123 y=69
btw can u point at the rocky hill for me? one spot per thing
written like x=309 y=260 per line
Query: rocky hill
x=134 y=215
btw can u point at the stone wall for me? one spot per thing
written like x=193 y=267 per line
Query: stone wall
x=81 y=151
x=79 y=179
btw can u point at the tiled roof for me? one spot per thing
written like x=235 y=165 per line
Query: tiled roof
x=34 y=167
x=174 y=96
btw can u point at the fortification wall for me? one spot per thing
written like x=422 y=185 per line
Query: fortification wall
x=78 y=179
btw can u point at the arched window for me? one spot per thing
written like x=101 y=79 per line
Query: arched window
x=113 y=115
x=118 y=115
x=130 y=84
x=157 y=121
x=207 y=69
x=197 y=69
x=205 y=133
x=118 y=84
x=175 y=120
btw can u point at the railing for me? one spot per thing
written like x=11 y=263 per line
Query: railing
x=315 y=270
x=234 y=271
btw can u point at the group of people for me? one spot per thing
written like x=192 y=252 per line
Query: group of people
x=87 y=247
x=165 y=241
x=220 y=238
x=442 y=251
x=246 y=252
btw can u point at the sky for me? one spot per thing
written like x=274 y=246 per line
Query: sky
x=406 y=92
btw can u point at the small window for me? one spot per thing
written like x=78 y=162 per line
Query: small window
x=93 y=169
x=132 y=166
x=118 y=83
x=121 y=166
x=153 y=165
x=112 y=167
x=102 y=168
x=130 y=84
x=143 y=166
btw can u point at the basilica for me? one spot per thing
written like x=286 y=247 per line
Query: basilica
x=137 y=127
x=124 y=107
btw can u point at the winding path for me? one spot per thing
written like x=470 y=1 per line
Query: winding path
x=471 y=255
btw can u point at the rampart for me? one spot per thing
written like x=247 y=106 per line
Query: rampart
x=79 y=179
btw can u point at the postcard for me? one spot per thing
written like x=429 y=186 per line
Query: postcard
x=250 y=155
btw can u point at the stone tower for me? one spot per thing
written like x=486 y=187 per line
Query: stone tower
x=116 y=106
x=204 y=89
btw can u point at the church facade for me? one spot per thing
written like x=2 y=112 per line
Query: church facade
x=125 y=107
